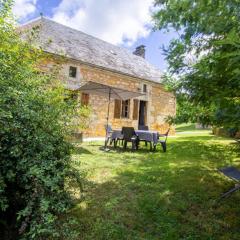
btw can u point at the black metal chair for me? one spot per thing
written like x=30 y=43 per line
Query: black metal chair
x=115 y=141
x=164 y=142
x=129 y=135
x=234 y=174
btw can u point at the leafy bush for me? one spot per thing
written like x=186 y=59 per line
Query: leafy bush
x=35 y=157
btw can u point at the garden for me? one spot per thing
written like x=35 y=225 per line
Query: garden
x=156 y=195
x=51 y=188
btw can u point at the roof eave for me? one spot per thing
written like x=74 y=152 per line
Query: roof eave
x=104 y=68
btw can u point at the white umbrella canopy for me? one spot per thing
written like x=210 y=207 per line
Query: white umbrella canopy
x=109 y=92
x=106 y=90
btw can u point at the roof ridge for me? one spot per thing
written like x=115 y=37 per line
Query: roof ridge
x=87 y=34
x=74 y=29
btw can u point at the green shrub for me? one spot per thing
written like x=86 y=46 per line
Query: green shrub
x=34 y=155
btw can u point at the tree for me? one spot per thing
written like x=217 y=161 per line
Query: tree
x=34 y=155
x=206 y=56
x=187 y=110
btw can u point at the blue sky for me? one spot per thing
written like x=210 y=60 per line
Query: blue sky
x=120 y=22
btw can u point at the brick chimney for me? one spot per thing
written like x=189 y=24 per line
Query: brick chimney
x=140 y=51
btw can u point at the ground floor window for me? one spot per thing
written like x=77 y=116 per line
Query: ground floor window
x=125 y=108
x=121 y=108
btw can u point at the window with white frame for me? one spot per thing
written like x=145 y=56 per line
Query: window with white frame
x=72 y=72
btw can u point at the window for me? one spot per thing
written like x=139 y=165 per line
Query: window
x=121 y=108
x=144 y=88
x=125 y=108
x=85 y=99
x=72 y=72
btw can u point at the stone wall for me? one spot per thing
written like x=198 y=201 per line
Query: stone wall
x=160 y=103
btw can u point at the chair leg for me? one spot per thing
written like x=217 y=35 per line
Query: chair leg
x=137 y=144
x=106 y=141
x=226 y=194
x=133 y=145
x=125 y=144
x=164 y=146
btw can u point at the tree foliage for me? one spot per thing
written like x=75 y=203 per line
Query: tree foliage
x=206 y=56
x=187 y=110
x=34 y=155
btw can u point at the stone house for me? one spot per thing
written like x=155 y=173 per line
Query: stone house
x=87 y=58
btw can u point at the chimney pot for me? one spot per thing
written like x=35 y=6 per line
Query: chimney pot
x=140 y=51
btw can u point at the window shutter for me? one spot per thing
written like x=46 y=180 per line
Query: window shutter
x=85 y=99
x=135 y=109
x=117 y=108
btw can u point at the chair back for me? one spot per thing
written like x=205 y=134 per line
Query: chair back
x=143 y=127
x=166 y=134
x=231 y=172
x=128 y=133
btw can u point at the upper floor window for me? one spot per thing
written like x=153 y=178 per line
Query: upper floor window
x=72 y=72
x=144 y=88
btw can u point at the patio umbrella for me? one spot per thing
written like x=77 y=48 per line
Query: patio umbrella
x=109 y=92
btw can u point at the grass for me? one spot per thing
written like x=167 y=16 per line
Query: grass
x=189 y=127
x=155 y=195
x=185 y=127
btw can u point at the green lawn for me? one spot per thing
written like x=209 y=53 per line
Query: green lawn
x=156 y=195
x=188 y=127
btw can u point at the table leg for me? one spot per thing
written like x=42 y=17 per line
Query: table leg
x=154 y=147
x=150 y=146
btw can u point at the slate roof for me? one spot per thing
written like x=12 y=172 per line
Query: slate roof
x=59 y=39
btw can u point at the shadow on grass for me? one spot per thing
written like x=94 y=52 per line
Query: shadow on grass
x=142 y=150
x=80 y=150
x=164 y=195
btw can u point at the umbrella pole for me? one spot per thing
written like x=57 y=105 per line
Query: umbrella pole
x=109 y=98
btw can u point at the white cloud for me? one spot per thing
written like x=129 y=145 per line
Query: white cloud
x=117 y=22
x=22 y=8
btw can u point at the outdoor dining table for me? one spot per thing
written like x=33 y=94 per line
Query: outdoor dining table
x=143 y=135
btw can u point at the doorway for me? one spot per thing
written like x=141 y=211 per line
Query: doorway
x=142 y=121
